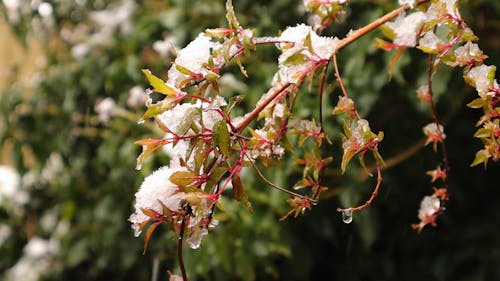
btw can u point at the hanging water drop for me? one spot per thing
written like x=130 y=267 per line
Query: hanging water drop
x=347 y=216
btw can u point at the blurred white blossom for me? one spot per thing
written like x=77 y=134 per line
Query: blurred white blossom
x=12 y=197
x=5 y=232
x=136 y=97
x=115 y=18
x=36 y=260
x=104 y=109
x=53 y=167
x=45 y=9
x=165 y=47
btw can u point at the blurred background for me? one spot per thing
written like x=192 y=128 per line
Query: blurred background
x=71 y=92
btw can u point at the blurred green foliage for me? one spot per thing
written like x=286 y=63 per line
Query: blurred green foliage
x=92 y=190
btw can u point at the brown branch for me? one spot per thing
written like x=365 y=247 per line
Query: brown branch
x=341 y=44
x=371 y=26
x=261 y=106
x=396 y=159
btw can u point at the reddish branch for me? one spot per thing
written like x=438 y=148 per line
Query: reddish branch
x=372 y=197
x=435 y=118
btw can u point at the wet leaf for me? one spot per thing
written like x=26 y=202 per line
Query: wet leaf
x=221 y=137
x=483 y=133
x=148 y=147
x=158 y=108
x=158 y=84
x=231 y=16
x=184 y=70
x=296 y=59
x=149 y=232
x=183 y=178
x=240 y=193
x=395 y=59
x=481 y=157
x=477 y=103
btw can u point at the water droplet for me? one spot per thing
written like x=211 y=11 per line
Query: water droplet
x=346 y=216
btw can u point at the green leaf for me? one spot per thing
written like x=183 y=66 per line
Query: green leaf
x=380 y=136
x=187 y=122
x=347 y=130
x=231 y=16
x=378 y=158
x=221 y=137
x=301 y=184
x=214 y=178
x=240 y=194
x=483 y=133
x=183 y=178
x=194 y=198
x=158 y=108
x=158 y=84
x=395 y=59
x=481 y=157
x=308 y=43
x=296 y=59
x=388 y=32
x=242 y=68
x=184 y=70
x=477 y=103
x=346 y=158
x=148 y=147
x=428 y=50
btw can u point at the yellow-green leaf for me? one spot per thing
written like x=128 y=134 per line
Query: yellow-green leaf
x=476 y=103
x=240 y=193
x=158 y=108
x=158 y=84
x=231 y=16
x=395 y=59
x=183 y=178
x=481 y=157
x=483 y=133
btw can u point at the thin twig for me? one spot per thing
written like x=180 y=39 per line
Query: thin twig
x=322 y=129
x=261 y=175
x=341 y=84
x=372 y=197
x=435 y=117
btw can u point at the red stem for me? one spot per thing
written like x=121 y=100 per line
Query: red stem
x=372 y=197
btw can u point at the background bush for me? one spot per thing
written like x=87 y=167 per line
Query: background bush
x=79 y=171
